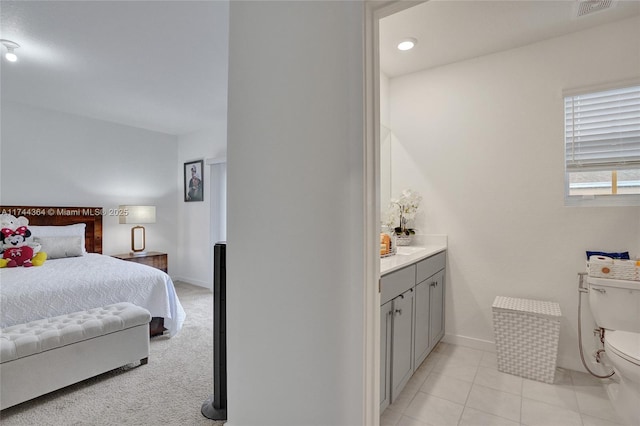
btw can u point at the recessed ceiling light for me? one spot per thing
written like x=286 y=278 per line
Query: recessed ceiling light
x=407 y=43
x=11 y=46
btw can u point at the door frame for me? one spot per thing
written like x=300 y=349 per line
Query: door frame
x=374 y=11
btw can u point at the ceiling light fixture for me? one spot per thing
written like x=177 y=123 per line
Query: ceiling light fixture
x=407 y=43
x=11 y=46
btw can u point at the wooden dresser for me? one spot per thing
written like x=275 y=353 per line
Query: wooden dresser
x=151 y=258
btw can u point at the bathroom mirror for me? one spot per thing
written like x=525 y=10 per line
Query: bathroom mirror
x=385 y=168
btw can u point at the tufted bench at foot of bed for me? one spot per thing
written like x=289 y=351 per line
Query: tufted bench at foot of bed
x=45 y=355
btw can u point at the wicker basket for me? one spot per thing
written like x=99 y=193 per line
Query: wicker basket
x=617 y=269
x=404 y=240
x=527 y=333
x=392 y=246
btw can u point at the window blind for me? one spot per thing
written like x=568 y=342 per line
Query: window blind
x=602 y=130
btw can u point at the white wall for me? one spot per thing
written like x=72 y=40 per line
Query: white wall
x=194 y=242
x=482 y=141
x=195 y=248
x=54 y=158
x=295 y=260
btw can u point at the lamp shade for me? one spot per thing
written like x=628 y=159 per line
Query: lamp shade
x=137 y=214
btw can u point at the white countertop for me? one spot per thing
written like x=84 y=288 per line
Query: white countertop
x=425 y=247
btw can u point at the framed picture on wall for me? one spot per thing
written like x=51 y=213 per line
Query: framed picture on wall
x=193 y=183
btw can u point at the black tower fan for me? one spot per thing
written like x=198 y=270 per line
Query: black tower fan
x=215 y=408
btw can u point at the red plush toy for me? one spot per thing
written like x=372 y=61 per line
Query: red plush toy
x=16 y=250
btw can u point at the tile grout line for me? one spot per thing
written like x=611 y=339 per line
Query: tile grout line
x=446 y=354
x=470 y=389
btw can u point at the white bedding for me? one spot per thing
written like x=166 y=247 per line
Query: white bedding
x=72 y=284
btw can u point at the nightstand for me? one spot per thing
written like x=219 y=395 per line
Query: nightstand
x=151 y=258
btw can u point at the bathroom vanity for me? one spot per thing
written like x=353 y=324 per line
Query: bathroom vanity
x=411 y=313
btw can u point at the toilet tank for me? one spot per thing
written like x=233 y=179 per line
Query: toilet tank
x=615 y=304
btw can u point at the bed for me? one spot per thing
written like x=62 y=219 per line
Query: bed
x=70 y=284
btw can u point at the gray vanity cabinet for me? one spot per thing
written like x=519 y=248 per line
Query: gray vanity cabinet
x=429 y=311
x=402 y=342
x=422 y=323
x=411 y=321
x=396 y=346
x=396 y=332
x=436 y=309
x=386 y=311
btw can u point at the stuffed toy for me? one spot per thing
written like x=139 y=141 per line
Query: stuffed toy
x=11 y=222
x=17 y=251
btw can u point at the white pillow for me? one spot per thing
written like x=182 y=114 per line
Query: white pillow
x=59 y=247
x=76 y=230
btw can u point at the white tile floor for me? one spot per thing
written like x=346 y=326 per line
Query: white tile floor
x=456 y=385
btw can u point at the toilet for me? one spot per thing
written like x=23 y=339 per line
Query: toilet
x=615 y=305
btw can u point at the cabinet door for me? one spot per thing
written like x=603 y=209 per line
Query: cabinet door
x=385 y=355
x=436 y=308
x=402 y=348
x=421 y=343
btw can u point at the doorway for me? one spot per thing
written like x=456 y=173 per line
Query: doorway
x=373 y=14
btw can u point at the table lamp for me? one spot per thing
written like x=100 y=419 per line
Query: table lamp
x=137 y=215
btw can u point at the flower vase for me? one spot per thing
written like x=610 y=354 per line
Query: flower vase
x=404 y=239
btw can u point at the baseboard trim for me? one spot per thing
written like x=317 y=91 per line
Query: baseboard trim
x=191 y=281
x=568 y=363
x=470 y=342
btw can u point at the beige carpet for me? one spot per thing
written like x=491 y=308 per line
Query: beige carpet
x=168 y=391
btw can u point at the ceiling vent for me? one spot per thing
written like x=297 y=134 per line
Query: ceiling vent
x=587 y=7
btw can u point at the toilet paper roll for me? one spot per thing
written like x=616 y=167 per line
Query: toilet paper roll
x=600 y=266
x=601 y=260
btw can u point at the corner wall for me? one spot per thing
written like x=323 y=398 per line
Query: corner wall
x=482 y=141
x=295 y=255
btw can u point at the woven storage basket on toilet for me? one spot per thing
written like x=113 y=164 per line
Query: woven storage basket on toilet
x=616 y=269
x=527 y=333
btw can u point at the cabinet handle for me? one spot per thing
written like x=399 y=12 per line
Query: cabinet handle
x=433 y=284
x=399 y=311
x=401 y=296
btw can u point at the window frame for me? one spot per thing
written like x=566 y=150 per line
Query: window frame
x=600 y=200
